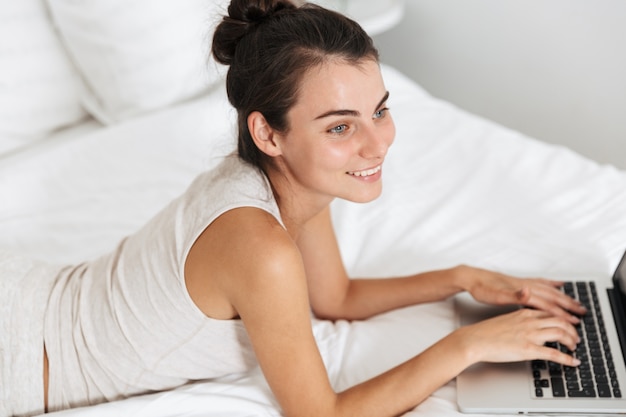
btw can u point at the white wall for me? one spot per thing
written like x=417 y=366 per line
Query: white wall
x=553 y=69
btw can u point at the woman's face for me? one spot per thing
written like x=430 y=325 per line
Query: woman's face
x=339 y=132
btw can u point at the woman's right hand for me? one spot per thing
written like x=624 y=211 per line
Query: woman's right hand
x=517 y=336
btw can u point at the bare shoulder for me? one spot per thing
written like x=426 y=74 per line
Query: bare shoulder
x=238 y=254
x=253 y=234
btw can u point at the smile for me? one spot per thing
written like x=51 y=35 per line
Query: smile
x=366 y=172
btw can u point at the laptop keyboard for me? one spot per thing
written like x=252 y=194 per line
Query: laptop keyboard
x=595 y=377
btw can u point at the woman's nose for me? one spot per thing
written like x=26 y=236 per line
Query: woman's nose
x=376 y=142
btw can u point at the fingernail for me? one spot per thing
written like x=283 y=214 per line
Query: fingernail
x=576 y=361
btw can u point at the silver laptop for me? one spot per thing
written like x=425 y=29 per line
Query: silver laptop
x=598 y=386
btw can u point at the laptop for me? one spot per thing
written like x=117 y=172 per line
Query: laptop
x=598 y=386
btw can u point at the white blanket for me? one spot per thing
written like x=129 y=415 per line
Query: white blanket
x=457 y=189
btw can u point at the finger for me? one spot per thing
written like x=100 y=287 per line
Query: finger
x=560 y=332
x=557 y=311
x=554 y=302
x=572 y=305
x=565 y=301
x=555 y=355
x=541 y=327
x=534 y=299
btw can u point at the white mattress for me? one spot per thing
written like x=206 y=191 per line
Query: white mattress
x=457 y=189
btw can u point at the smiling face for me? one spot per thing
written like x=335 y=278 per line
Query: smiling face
x=339 y=132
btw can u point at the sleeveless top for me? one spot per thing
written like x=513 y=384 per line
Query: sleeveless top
x=125 y=324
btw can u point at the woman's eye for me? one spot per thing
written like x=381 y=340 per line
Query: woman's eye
x=381 y=113
x=339 y=129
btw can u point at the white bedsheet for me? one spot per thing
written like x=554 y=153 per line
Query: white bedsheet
x=457 y=189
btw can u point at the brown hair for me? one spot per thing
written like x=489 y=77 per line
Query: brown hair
x=269 y=45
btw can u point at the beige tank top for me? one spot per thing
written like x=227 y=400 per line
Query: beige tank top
x=125 y=324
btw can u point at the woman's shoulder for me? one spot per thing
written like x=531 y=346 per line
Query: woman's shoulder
x=253 y=231
x=245 y=249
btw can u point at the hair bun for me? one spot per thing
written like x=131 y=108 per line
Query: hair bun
x=243 y=16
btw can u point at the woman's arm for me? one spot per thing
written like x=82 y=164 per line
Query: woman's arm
x=261 y=274
x=334 y=296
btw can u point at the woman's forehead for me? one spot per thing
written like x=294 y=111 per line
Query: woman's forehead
x=340 y=83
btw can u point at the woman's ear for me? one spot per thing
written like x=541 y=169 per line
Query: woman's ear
x=263 y=135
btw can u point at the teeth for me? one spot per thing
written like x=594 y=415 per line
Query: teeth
x=366 y=172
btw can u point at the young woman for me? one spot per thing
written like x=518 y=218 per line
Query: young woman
x=226 y=276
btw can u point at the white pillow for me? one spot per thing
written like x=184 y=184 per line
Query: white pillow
x=139 y=55
x=39 y=86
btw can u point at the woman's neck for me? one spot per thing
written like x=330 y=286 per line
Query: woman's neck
x=297 y=205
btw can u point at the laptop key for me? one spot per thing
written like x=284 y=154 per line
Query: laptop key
x=587 y=383
x=555 y=369
x=586 y=393
x=604 y=391
x=595 y=376
x=572 y=386
x=602 y=380
x=558 y=388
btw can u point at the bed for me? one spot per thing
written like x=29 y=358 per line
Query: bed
x=110 y=109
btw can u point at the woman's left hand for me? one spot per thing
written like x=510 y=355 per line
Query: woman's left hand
x=542 y=294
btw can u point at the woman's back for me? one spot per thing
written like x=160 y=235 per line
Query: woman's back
x=125 y=324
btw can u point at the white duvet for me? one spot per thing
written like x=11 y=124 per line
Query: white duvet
x=457 y=189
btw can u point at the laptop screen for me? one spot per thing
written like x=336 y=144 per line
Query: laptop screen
x=617 y=297
x=619 y=277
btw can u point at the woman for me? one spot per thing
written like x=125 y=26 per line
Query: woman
x=226 y=276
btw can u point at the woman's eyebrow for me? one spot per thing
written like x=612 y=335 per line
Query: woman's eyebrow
x=381 y=102
x=346 y=112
